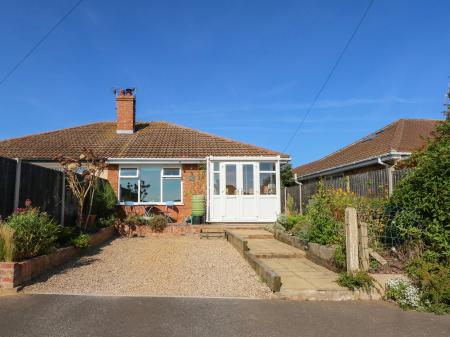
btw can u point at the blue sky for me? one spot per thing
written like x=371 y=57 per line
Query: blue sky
x=246 y=70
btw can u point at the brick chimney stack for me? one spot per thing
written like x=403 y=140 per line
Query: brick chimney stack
x=126 y=110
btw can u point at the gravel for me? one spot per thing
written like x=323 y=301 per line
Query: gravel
x=156 y=266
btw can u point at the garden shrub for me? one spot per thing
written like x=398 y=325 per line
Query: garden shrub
x=105 y=200
x=290 y=221
x=421 y=200
x=404 y=293
x=7 y=245
x=358 y=280
x=433 y=280
x=66 y=235
x=107 y=222
x=158 y=223
x=81 y=241
x=339 y=258
x=35 y=233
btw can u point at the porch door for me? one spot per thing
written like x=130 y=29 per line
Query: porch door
x=237 y=199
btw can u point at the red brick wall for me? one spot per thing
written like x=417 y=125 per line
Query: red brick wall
x=191 y=176
x=126 y=110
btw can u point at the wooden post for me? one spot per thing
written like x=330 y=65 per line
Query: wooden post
x=63 y=198
x=17 y=183
x=390 y=171
x=300 y=198
x=285 y=201
x=363 y=246
x=351 y=239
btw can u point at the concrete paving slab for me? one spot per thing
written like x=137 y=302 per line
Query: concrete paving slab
x=274 y=248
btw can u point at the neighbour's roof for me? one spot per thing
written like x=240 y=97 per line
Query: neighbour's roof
x=150 y=140
x=403 y=135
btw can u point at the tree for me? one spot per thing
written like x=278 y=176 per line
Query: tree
x=82 y=174
x=287 y=177
x=421 y=200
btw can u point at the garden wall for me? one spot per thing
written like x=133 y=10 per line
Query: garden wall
x=15 y=274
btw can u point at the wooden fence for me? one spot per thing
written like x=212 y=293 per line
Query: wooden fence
x=46 y=188
x=372 y=184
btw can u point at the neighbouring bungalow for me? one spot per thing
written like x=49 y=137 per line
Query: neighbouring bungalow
x=381 y=149
x=158 y=163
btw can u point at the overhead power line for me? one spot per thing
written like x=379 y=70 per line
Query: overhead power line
x=329 y=76
x=36 y=46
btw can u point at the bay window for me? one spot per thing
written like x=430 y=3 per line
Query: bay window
x=151 y=184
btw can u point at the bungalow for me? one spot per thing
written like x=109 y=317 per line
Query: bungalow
x=381 y=149
x=160 y=163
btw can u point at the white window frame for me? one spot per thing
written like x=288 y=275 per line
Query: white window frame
x=267 y=171
x=162 y=176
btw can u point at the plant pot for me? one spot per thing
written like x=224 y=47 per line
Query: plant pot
x=198 y=205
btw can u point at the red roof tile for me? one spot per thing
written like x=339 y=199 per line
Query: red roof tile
x=403 y=135
x=151 y=140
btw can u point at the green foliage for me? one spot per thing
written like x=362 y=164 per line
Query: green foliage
x=133 y=219
x=339 y=258
x=404 y=293
x=107 y=222
x=157 y=223
x=421 y=200
x=433 y=280
x=81 y=241
x=286 y=175
x=105 y=200
x=289 y=221
x=7 y=245
x=35 y=233
x=66 y=235
x=359 y=280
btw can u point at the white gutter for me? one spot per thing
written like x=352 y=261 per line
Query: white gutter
x=393 y=155
x=155 y=160
x=248 y=158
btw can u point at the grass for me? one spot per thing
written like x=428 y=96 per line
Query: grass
x=7 y=246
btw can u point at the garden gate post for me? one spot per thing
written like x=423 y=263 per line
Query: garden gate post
x=351 y=239
x=363 y=246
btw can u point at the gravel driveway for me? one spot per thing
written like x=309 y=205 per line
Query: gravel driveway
x=157 y=266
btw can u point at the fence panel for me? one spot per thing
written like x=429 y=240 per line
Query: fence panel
x=372 y=184
x=7 y=185
x=43 y=187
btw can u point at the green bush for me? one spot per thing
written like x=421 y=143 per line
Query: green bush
x=66 y=235
x=81 y=241
x=35 y=233
x=421 y=200
x=359 y=280
x=404 y=293
x=7 y=245
x=433 y=280
x=339 y=258
x=107 y=222
x=290 y=221
x=157 y=223
x=105 y=200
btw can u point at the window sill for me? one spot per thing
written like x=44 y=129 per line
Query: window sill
x=149 y=204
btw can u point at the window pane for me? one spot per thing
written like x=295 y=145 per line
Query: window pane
x=230 y=179
x=129 y=189
x=128 y=172
x=171 y=172
x=247 y=179
x=216 y=166
x=267 y=183
x=267 y=166
x=216 y=183
x=172 y=189
x=150 y=184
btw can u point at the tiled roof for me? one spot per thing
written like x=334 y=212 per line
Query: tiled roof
x=403 y=135
x=151 y=140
